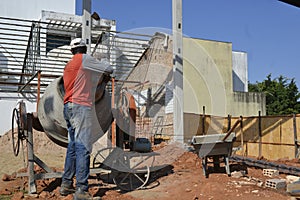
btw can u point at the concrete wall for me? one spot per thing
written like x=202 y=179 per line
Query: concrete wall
x=247 y=104
x=207 y=76
x=208 y=80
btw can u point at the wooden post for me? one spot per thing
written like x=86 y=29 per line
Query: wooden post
x=203 y=121
x=259 y=135
x=295 y=136
x=228 y=122
x=231 y=129
x=242 y=136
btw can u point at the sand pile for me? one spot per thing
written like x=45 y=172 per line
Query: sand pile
x=49 y=152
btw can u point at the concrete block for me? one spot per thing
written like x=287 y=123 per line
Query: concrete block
x=270 y=172
x=276 y=183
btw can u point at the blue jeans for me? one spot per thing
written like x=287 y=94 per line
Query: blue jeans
x=77 y=160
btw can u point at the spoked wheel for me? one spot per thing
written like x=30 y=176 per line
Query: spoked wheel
x=16 y=131
x=100 y=159
x=103 y=160
x=130 y=171
x=132 y=180
x=19 y=119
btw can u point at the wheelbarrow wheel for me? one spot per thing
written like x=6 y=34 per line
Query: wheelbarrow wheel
x=132 y=180
x=100 y=157
x=131 y=171
x=100 y=161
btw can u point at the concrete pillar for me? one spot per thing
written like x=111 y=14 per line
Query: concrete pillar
x=177 y=70
x=86 y=23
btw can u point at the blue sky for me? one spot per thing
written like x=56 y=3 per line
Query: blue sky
x=268 y=30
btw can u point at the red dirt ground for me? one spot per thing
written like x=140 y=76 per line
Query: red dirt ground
x=182 y=179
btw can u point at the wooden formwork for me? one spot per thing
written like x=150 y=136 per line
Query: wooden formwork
x=271 y=137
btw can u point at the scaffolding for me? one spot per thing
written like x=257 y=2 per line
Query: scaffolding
x=34 y=53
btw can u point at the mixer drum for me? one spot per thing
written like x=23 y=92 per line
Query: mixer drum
x=50 y=112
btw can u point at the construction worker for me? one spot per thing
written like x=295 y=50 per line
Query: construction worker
x=84 y=81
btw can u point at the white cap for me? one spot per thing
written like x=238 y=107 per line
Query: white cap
x=77 y=42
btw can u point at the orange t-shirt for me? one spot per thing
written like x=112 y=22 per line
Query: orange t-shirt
x=80 y=83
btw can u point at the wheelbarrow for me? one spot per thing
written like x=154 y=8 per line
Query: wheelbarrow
x=129 y=169
x=215 y=147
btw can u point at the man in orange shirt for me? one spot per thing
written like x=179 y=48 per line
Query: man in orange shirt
x=83 y=76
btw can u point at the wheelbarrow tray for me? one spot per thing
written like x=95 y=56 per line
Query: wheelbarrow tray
x=211 y=145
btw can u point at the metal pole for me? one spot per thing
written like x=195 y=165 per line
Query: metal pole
x=30 y=155
x=113 y=126
x=86 y=23
x=38 y=90
x=177 y=70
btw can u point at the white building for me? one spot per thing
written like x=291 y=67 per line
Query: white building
x=30 y=10
x=38 y=39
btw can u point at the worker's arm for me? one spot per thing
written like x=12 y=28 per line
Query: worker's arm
x=101 y=87
x=101 y=66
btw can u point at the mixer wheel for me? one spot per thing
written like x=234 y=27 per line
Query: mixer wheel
x=16 y=131
x=18 y=126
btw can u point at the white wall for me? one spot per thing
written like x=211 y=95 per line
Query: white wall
x=240 y=71
x=31 y=9
x=7 y=107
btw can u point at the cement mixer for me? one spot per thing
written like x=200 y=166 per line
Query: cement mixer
x=51 y=117
x=128 y=168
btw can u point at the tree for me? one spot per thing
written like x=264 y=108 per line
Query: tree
x=281 y=95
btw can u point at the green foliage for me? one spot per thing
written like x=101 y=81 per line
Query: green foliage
x=281 y=95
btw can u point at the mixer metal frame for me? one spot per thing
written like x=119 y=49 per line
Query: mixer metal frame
x=127 y=174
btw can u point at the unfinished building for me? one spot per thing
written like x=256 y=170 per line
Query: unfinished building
x=215 y=77
x=215 y=82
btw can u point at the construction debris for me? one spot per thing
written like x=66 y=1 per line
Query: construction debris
x=238 y=174
x=292 y=179
x=293 y=188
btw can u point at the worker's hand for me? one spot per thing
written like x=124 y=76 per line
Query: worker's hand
x=108 y=67
x=106 y=78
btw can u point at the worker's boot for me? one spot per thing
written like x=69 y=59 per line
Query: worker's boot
x=81 y=195
x=66 y=189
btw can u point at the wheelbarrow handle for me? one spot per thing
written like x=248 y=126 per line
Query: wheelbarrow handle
x=232 y=128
